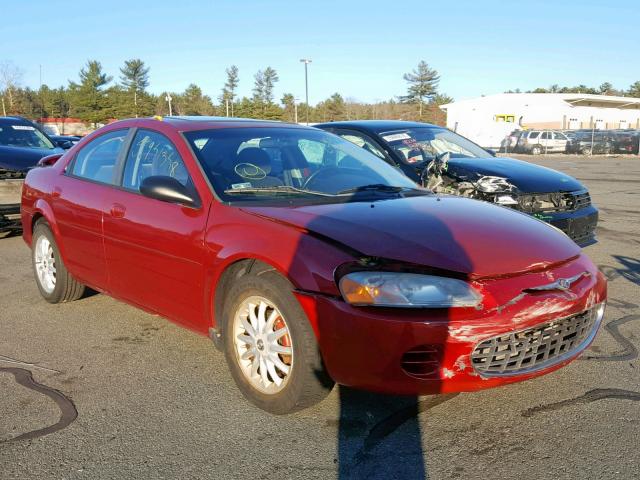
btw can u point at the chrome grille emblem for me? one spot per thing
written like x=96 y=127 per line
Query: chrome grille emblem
x=560 y=284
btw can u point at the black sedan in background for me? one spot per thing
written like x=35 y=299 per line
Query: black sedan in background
x=448 y=163
x=22 y=145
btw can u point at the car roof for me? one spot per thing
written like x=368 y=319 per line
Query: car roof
x=189 y=123
x=376 y=126
x=13 y=120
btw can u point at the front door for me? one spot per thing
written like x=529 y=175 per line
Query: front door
x=154 y=249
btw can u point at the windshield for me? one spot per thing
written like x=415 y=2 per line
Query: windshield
x=422 y=144
x=24 y=136
x=258 y=164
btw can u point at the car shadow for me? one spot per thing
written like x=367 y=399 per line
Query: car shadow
x=629 y=269
x=379 y=435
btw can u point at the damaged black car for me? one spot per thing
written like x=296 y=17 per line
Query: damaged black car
x=448 y=163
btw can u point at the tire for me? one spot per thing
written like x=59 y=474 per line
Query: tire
x=536 y=150
x=585 y=150
x=64 y=287
x=307 y=381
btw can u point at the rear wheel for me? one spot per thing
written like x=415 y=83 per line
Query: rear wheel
x=269 y=345
x=536 y=150
x=54 y=281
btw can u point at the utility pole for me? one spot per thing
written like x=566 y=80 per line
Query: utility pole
x=227 y=104
x=168 y=99
x=306 y=62
x=295 y=110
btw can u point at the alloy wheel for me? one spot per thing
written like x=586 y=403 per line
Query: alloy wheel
x=263 y=346
x=45 y=264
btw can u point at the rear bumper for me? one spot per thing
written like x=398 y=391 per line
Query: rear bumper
x=377 y=349
x=580 y=225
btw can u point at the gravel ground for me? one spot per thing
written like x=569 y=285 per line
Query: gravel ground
x=99 y=389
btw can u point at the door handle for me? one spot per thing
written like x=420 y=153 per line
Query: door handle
x=117 y=210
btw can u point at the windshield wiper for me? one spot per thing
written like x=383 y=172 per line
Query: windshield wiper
x=375 y=187
x=277 y=189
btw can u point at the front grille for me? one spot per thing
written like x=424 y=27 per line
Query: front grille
x=554 y=202
x=537 y=347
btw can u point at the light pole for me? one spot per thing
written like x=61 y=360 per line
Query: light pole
x=168 y=99
x=306 y=62
x=295 y=110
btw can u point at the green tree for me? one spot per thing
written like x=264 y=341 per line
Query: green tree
x=230 y=86
x=90 y=102
x=442 y=99
x=606 y=89
x=634 y=89
x=334 y=108
x=289 y=103
x=193 y=102
x=135 y=79
x=423 y=85
x=270 y=77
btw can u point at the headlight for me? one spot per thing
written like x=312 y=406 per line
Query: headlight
x=489 y=184
x=390 y=289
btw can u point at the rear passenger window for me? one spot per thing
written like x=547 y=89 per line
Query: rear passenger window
x=152 y=154
x=97 y=160
x=534 y=134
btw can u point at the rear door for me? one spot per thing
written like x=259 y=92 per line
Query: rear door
x=154 y=249
x=77 y=201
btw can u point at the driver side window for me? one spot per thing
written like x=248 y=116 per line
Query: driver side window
x=152 y=154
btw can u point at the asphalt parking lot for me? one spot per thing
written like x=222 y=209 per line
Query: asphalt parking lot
x=99 y=389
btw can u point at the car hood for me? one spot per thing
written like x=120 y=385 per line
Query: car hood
x=527 y=177
x=22 y=159
x=457 y=234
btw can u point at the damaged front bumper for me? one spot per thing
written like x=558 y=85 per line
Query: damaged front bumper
x=579 y=225
x=10 y=221
x=422 y=351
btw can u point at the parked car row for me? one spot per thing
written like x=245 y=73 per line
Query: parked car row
x=585 y=141
x=312 y=260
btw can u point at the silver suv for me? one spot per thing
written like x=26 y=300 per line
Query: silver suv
x=542 y=141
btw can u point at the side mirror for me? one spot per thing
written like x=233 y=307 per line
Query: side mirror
x=65 y=144
x=491 y=152
x=168 y=189
x=49 y=160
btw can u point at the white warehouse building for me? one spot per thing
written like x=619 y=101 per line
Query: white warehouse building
x=487 y=120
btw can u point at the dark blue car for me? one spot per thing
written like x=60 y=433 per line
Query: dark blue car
x=449 y=163
x=22 y=145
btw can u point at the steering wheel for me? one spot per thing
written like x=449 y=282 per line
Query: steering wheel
x=322 y=174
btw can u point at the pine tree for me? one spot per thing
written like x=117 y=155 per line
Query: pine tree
x=90 y=101
x=135 y=79
x=229 y=90
x=634 y=89
x=289 y=102
x=423 y=84
x=270 y=77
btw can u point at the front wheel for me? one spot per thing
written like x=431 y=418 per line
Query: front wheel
x=536 y=150
x=270 y=347
x=54 y=281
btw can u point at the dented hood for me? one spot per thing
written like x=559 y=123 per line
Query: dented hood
x=22 y=159
x=452 y=233
x=527 y=177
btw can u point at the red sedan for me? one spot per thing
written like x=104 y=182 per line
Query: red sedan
x=308 y=260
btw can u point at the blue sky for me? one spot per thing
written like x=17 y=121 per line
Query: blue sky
x=360 y=49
